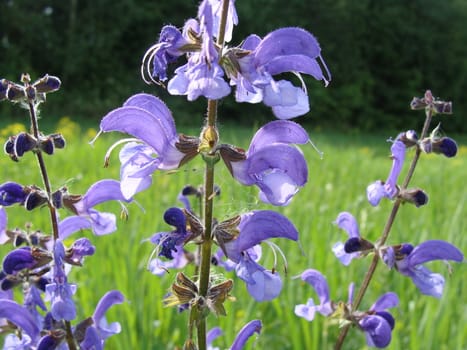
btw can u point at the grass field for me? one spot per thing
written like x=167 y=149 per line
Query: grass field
x=336 y=183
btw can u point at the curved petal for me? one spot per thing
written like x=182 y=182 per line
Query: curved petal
x=280 y=156
x=18 y=259
x=140 y=123
x=377 y=330
x=385 y=301
x=71 y=224
x=306 y=311
x=278 y=131
x=102 y=223
x=429 y=283
x=434 y=250
x=286 y=41
x=157 y=108
x=348 y=223
x=277 y=188
x=20 y=316
x=257 y=226
x=102 y=191
x=319 y=283
x=109 y=299
x=213 y=333
x=375 y=192
x=245 y=333
x=289 y=102
x=263 y=285
x=295 y=63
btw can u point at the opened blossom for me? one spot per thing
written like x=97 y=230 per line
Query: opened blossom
x=273 y=163
x=256 y=227
x=155 y=146
x=409 y=260
x=377 y=190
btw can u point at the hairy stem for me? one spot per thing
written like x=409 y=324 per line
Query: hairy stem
x=52 y=211
x=386 y=231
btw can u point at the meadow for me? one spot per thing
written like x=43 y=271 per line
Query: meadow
x=337 y=182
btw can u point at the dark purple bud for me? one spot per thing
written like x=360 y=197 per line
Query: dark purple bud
x=18 y=260
x=3 y=88
x=357 y=244
x=35 y=199
x=15 y=92
x=47 y=83
x=190 y=191
x=403 y=250
x=442 y=107
x=58 y=140
x=176 y=217
x=417 y=103
x=11 y=193
x=446 y=146
x=23 y=142
x=42 y=283
x=30 y=92
x=409 y=138
x=415 y=196
x=47 y=145
x=8 y=284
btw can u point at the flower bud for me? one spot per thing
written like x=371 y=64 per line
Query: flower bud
x=415 y=196
x=409 y=138
x=47 y=83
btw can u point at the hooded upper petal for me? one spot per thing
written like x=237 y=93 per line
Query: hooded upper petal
x=348 y=223
x=377 y=330
x=20 y=316
x=434 y=250
x=245 y=333
x=257 y=226
x=385 y=301
x=320 y=285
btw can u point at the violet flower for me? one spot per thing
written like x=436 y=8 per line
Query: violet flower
x=283 y=50
x=232 y=18
x=148 y=119
x=12 y=193
x=101 y=223
x=245 y=333
x=60 y=292
x=377 y=190
x=355 y=246
x=21 y=317
x=378 y=323
x=320 y=285
x=202 y=75
x=100 y=330
x=256 y=227
x=3 y=226
x=170 y=244
x=272 y=163
x=409 y=262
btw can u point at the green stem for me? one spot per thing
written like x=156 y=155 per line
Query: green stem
x=386 y=231
x=52 y=211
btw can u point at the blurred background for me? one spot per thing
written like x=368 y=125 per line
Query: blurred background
x=381 y=54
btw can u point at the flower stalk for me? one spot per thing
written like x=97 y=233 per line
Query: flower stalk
x=386 y=231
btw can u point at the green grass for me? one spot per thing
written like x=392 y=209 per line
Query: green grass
x=336 y=183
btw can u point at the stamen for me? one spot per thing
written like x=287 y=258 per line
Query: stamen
x=321 y=153
x=119 y=142
x=275 y=247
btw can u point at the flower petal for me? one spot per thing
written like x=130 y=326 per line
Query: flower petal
x=257 y=226
x=434 y=250
x=348 y=223
x=245 y=333
x=102 y=191
x=377 y=330
x=319 y=283
x=20 y=316
x=385 y=301
x=278 y=131
x=140 y=123
x=71 y=224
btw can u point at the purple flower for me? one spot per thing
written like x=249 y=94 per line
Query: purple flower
x=355 y=246
x=232 y=17
x=245 y=333
x=21 y=317
x=378 y=323
x=254 y=228
x=283 y=50
x=408 y=261
x=202 y=75
x=11 y=193
x=100 y=330
x=377 y=190
x=320 y=285
x=101 y=223
x=149 y=120
x=19 y=259
x=272 y=163
x=3 y=222
x=60 y=292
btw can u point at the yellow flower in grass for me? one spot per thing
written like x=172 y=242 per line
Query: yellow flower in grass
x=12 y=129
x=68 y=128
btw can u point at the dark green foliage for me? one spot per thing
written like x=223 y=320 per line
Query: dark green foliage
x=381 y=54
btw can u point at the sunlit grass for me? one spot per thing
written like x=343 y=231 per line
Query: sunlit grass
x=336 y=183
